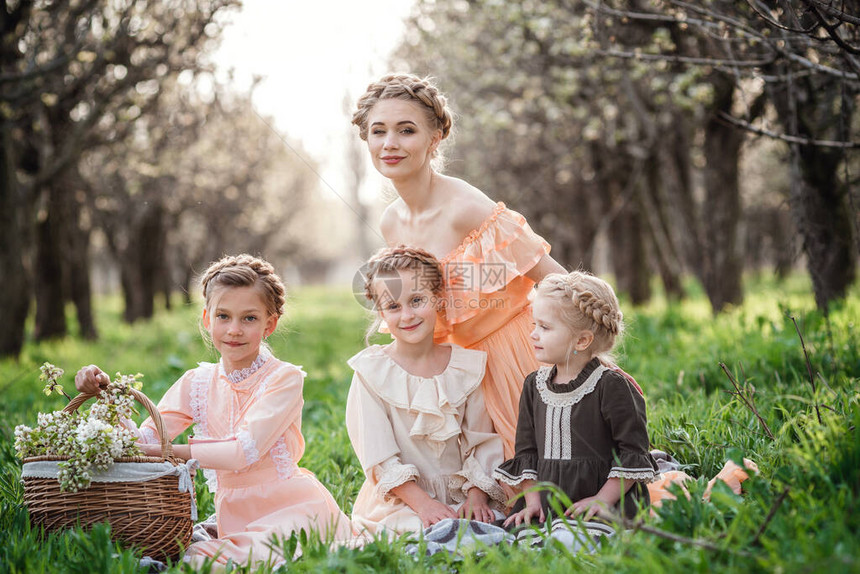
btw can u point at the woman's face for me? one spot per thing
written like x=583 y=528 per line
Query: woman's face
x=400 y=140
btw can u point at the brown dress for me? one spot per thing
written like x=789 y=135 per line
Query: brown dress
x=577 y=435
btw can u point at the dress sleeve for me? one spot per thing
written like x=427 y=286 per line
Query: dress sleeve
x=623 y=408
x=278 y=406
x=524 y=464
x=480 y=449
x=175 y=410
x=372 y=438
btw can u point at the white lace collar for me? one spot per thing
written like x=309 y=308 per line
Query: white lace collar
x=566 y=399
x=239 y=375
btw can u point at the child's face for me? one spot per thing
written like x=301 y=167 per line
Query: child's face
x=552 y=339
x=237 y=322
x=406 y=305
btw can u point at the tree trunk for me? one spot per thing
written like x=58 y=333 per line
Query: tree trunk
x=48 y=274
x=820 y=202
x=721 y=214
x=659 y=229
x=141 y=262
x=628 y=244
x=76 y=254
x=14 y=223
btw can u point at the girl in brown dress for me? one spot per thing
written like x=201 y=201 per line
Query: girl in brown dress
x=581 y=425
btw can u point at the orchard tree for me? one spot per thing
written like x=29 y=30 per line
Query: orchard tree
x=796 y=64
x=76 y=76
x=203 y=175
x=587 y=149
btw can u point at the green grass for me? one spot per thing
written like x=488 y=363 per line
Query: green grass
x=673 y=349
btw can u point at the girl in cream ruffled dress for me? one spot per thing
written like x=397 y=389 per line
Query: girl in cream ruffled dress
x=416 y=414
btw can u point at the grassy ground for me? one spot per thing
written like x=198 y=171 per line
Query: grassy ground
x=801 y=513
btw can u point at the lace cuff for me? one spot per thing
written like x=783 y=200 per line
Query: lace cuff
x=211 y=479
x=391 y=474
x=636 y=474
x=514 y=480
x=148 y=436
x=513 y=471
x=475 y=476
x=249 y=447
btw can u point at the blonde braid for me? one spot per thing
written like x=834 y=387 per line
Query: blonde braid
x=406 y=87
x=586 y=302
x=246 y=271
x=399 y=258
x=590 y=305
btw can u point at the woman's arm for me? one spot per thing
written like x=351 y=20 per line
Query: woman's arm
x=544 y=267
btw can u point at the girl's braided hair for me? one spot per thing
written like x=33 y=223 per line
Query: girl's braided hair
x=393 y=259
x=410 y=88
x=245 y=271
x=388 y=261
x=586 y=302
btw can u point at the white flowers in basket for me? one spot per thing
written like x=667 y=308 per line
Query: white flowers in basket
x=91 y=440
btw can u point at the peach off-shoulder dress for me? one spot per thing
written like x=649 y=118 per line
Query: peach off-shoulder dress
x=488 y=308
x=248 y=438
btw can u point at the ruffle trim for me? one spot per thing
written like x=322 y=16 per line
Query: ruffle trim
x=566 y=399
x=249 y=447
x=239 y=375
x=637 y=474
x=211 y=479
x=149 y=436
x=199 y=399
x=284 y=463
x=392 y=474
x=476 y=477
x=514 y=480
x=501 y=249
x=436 y=398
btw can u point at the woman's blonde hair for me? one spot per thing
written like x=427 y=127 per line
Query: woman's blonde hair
x=586 y=302
x=389 y=261
x=410 y=88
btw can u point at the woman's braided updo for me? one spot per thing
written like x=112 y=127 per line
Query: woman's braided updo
x=588 y=303
x=410 y=88
x=245 y=271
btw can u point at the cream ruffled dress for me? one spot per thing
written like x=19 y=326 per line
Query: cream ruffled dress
x=434 y=431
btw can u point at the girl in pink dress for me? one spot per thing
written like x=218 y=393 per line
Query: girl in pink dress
x=247 y=412
x=415 y=412
x=492 y=258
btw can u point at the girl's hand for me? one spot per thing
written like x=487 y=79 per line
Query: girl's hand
x=587 y=507
x=90 y=379
x=525 y=516
x=476 y=507
x=433 y=511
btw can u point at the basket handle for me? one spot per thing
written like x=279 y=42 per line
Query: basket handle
x=166 y=447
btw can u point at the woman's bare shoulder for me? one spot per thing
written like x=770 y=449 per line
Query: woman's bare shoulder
x=390 y=220
x=469 y=206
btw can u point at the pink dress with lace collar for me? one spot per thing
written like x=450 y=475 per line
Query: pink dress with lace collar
x=248 y=437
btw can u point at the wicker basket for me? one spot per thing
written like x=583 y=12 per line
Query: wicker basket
x=153 y=515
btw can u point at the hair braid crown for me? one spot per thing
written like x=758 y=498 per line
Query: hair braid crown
x=406 y=87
